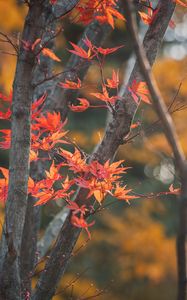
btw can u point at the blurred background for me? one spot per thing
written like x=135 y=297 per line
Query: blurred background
x=132 y=251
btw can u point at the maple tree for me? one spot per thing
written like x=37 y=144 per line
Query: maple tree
x=45 y=164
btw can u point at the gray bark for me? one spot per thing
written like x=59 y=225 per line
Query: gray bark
x=40 y=15
x=19 y=161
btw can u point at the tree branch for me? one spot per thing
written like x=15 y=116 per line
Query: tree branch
x=32 y=219
x=40 y=12
x=58 y=100
x=116 y=130
x=52 y=232
x=173 y=140
x=75 y=68
x=119 y=127
x=159 y=103
x=19 y=159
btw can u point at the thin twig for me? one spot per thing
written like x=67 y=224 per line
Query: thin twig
x=10 y=41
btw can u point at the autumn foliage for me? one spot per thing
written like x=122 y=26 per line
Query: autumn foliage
x=68 y=171
x=47 y=139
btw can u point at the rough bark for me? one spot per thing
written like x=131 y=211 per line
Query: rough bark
x=40 y=15
x=29 y=255
x=19 y=161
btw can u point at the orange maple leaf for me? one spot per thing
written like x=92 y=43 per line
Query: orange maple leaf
x=74 y=161
x=84 y=104
x=68 y=84
x=66 y=184
x=48 y=52
x=135 y=125
x=81 y=52
x=49 y=122
x=99 y=189
x=35 y=187
x=101 y=178
x=33 y=156
x=37 y=106
x=76 y=209
x=114 y=82
x=81 y=223
x=104 y=96
x=146 y=18
x=44 y=197
x=108 y=16
x=53 y=173
x=121 y=193
x=48 y=142
x=106 y=51
x=139 y=91
x=4 y=184
x=5 y=144
x=103 y=11
x=5 y=115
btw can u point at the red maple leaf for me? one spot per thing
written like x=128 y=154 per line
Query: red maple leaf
x=84 y=104
x=139 y=91
x=6 y=138
x=44 y=197
x=81 y=52
x=104 y=96
x=5 y=115
x=106 y=51
x=122 y=194
x=33 y=156
x=146 y=18
x=37 y=106
x=68 y=84
x=114 y=82
x=103 y=11
x=81 y=223
x=4 y=184
x=74 y=161
x=76 y=209
x=51 y=121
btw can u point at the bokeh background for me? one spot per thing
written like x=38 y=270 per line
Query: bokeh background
x=132 y=251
